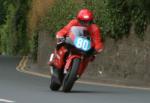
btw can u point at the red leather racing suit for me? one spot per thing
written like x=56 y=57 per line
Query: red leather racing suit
x=95 y=34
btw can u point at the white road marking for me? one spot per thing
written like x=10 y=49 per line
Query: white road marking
x=6 y=101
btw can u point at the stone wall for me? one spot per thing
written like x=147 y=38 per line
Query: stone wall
x=126 y=59
x=45 y=48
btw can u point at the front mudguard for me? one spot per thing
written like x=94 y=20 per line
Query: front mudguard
x=69 y=62
x=82 y=66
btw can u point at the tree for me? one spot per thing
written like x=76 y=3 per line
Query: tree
x=13 y=30
x=3 y=12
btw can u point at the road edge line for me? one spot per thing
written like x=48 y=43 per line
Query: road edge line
x=20 y=63
x=7 y=101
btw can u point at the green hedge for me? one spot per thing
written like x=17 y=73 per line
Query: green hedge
x=63 y=11
x=13 y=29
x=58 y=15
x=114 y=17
x=7 y=37
x=2 y=12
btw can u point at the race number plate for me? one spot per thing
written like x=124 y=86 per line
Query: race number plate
x=82 y=43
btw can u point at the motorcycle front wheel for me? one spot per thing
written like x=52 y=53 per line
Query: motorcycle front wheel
x=71 y=76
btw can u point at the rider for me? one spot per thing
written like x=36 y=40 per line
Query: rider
x=85 y=19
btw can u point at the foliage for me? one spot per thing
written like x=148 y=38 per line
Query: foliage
x=58 y=15
x=116 y=20
x=140 y=15
x=34 y=46
x=13 y=31
x=6 y=33
x=21 y=26
x=119 y=16
x=2 y=12
x=114 y=17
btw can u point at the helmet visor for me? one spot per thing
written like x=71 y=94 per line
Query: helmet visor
x=84 y=22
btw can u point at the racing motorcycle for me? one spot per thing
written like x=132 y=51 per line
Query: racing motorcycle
x=78 y=51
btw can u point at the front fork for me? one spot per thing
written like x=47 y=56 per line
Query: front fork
x=83 y=64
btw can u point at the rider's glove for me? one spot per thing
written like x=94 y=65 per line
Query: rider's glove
x=98 y=51
x=60 y=40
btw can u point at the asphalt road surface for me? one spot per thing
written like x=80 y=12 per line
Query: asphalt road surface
x=16 y=87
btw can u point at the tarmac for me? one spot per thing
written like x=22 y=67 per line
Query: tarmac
x=27 y=66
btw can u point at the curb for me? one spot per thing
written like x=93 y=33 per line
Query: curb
x=22 y=67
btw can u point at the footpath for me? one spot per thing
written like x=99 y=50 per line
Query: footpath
x=26 y=66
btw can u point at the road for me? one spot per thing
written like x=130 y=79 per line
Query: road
x=16 y=87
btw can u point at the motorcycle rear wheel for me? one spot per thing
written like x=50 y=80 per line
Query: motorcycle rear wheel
x=54 y=86
x=71 y=76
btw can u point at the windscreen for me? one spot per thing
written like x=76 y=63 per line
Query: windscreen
x=78 y=30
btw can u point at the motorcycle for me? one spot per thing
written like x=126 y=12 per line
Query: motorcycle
x=78 y=52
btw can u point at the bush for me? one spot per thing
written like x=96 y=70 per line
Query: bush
x=119 y=16
x=115 y=17
x=140 y=16
x=22 y=46
x=14 y=40
x=34 y=46
x=2 y=12
x=7 y=37
x=58 y=15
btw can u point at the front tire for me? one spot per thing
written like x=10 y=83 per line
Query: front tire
x=71 y=76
